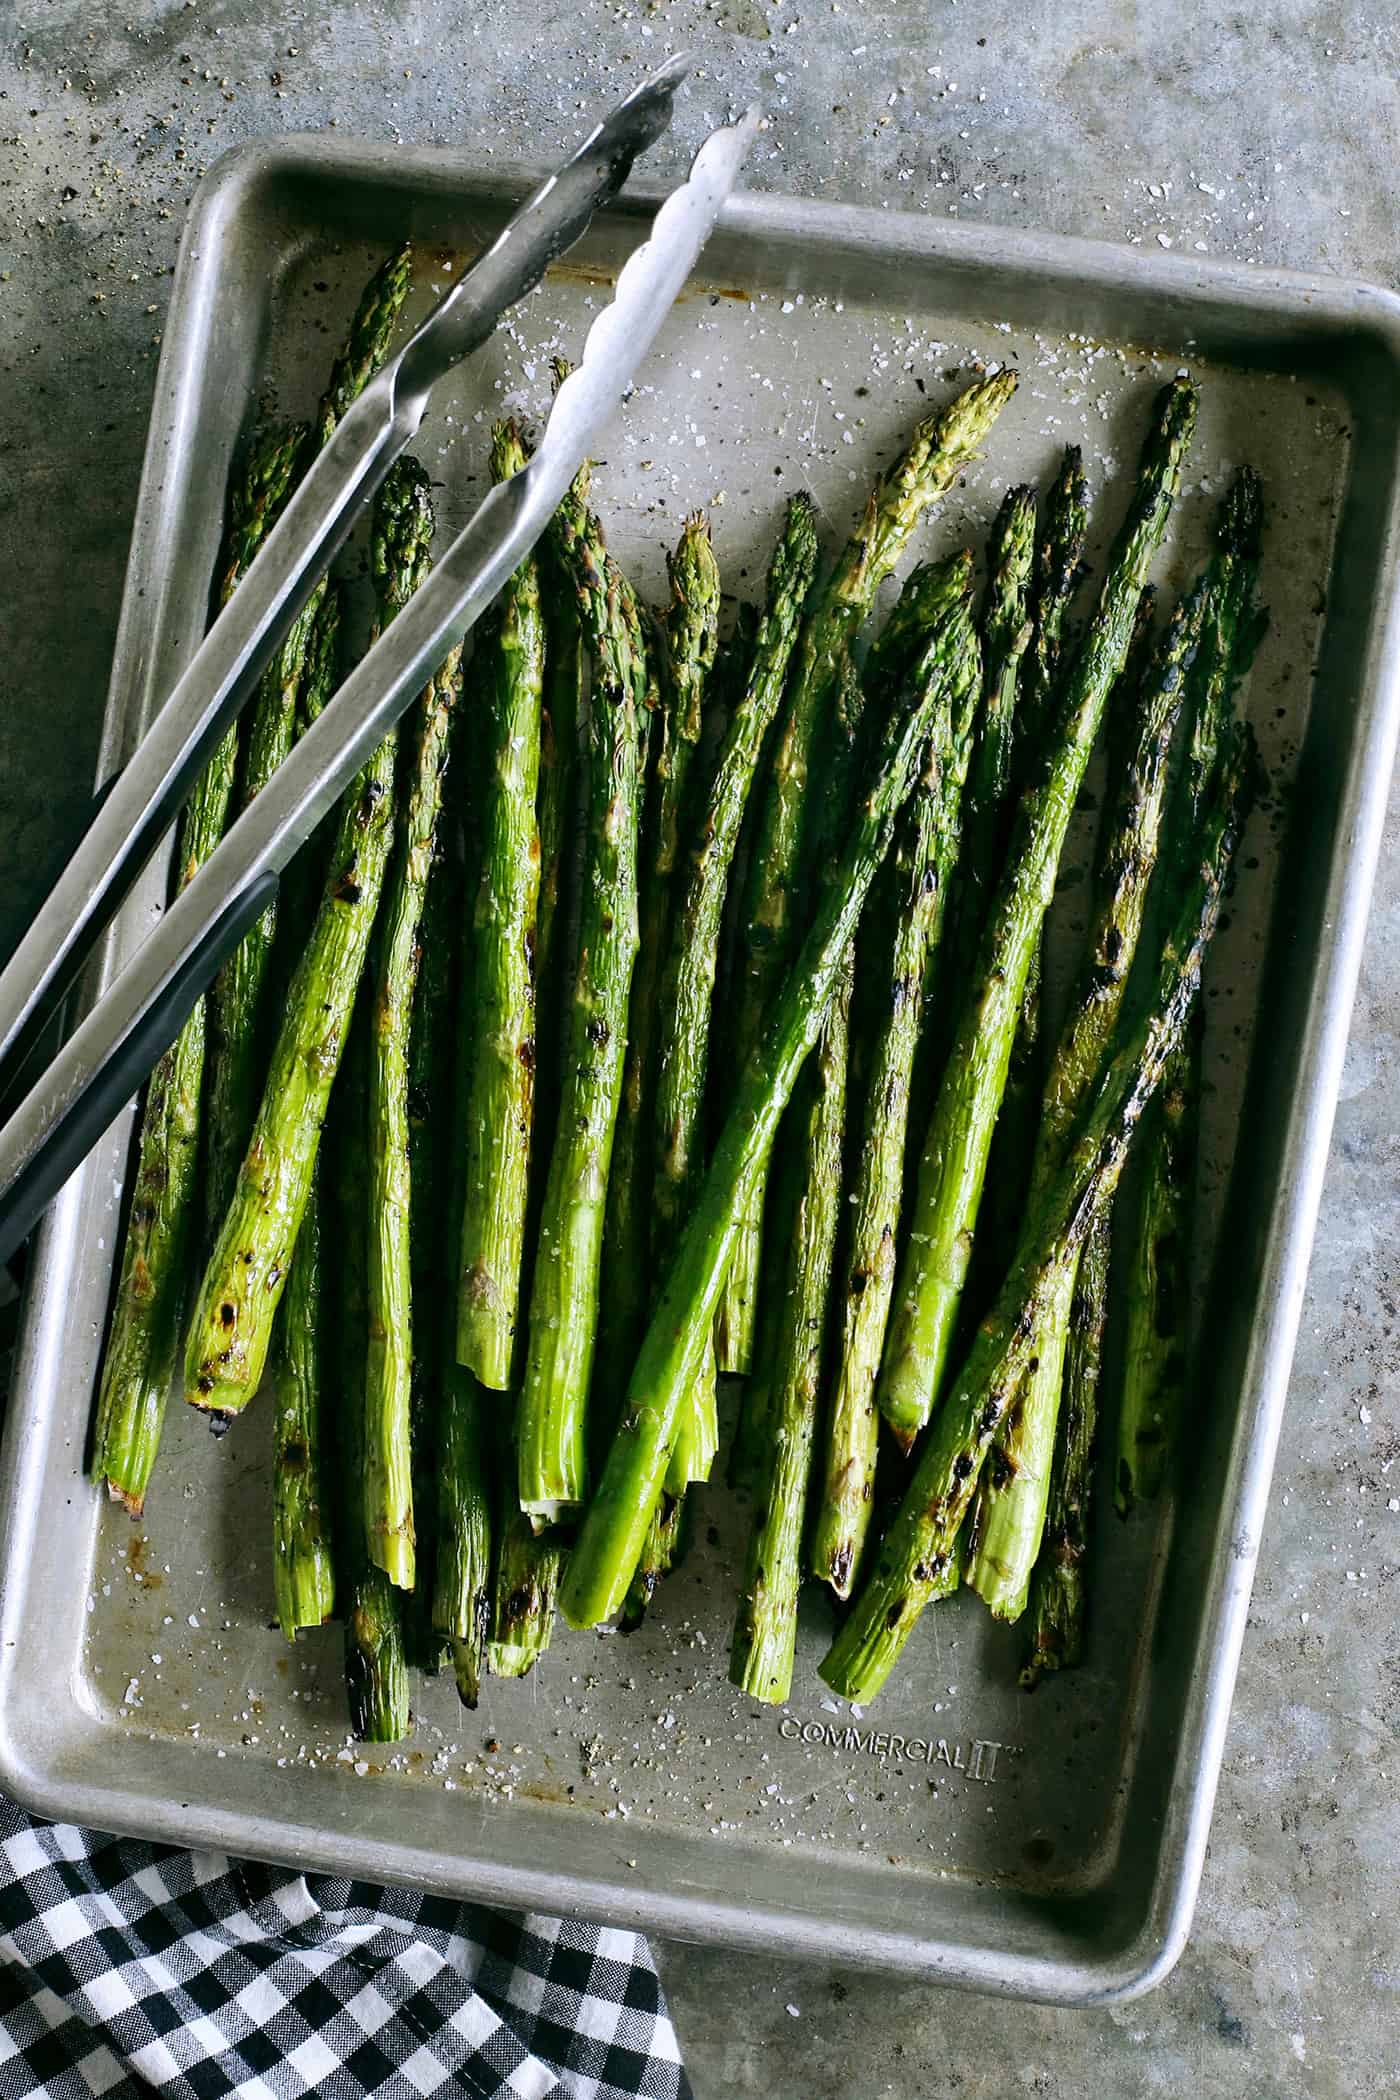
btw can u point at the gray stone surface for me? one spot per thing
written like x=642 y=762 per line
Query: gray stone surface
x=1266 y=135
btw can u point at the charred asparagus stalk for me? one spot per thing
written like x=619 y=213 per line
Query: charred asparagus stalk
x=238 y=995
x=687 y=642
x=247 y=1272
x=603 y=1563
x=1157 y=1295
x=525 y=1589
x=941 y=446
x=303 y=1561
x=1059 y=568
x=551 y=1415
x=376 y=1663
x=926 y=853
x=954 y=1157
x=911 y=1564
x=1058 y=1590
x=451 y=1427
x=1009 y=1515
x=389 y=1527
x=144 y=1337
x=302 y=1564
x=687 y=989
x=500 y=1111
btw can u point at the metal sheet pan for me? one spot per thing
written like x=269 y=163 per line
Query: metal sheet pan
x=1047 y=1847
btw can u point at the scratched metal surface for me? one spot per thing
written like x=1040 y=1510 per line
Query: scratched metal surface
x=783 y=370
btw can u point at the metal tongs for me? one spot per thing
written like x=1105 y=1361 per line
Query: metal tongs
x=99 y=1067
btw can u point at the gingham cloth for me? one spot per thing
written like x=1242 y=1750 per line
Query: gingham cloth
x=128 y=1968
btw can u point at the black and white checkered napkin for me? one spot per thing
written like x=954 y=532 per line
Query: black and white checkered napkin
x=128 y=1968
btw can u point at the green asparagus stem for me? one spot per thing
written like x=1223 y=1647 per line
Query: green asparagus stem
x=941 y=447
x=662 y=1550
x=1009 y=1515
x=1058 y=1591
x=1059 y=567
x=247 y=1271
x=302 y=1564
x=1006 y=633
x=688 y=985
x=551 y=1416
x=238 y=997
x=500 y=1112
x=926 y=854
x=452 y=1477
x=765 y=1625
x=688 y=640
x=915 y=1552
x=303 y=1559
x=144 y=1336
x=1157 y=1265
x=525 y=1589
x=565 y=698
x=376 y=1665
x=389 y=1526
x=687 y=990
x=615 y=1526
x=367 y=345
x=954 y=1157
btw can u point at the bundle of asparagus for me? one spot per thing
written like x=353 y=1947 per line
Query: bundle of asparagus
x=493 y=1315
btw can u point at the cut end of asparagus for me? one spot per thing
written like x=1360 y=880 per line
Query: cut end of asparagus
x=466 y=1669
x=306 y=1590
x=394 y=1554
x=545 y=1513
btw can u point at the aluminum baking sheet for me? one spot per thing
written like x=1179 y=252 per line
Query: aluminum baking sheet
x=1047 y=1846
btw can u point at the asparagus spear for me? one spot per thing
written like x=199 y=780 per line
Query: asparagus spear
x=144 y=1334
x=659 y=1555
x=389 y=1524
x=367 y=344
x=1009 y=1515
x=940 y=448
x=1059 y=567
x=551 y=1414
x=1157 y=1266
x=500 y=1110
x=915 y=1552
x=452 y=1476
x=1058 y=1589
x=303 y=1562
x=1006 y=633
x=765 y=1628
x=765 y=1625
x=615 y=1525
x=687 y=988
x=954 y=1157
x=238 y=996
x=927 y=851
x=565 y=698
x=247 y=1271
x=688 y=639
x=376 y=1665
x=921 y=603
x=525 y=1589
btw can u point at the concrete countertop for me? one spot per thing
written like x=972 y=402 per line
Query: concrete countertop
x=1263 y=136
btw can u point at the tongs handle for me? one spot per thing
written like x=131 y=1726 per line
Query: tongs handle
x=315 y=523
x=149 y=996
x=98 y=1107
